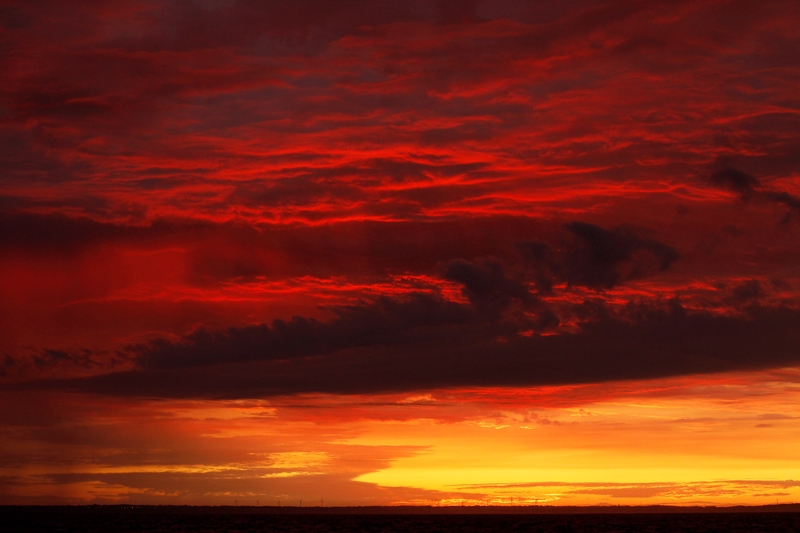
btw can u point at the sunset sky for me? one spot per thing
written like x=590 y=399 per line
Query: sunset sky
x=400 y=252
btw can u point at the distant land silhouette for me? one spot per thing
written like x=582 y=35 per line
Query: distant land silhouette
x=391 y=519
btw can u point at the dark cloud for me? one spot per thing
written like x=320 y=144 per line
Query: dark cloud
x=540 y=255
x=747 y=291
x=424 y=344
x=597 y=258
x=749 y=187
x=61 y=363
x=386 y=321
x=737 y=181
x=486 y=285
x=782 y=197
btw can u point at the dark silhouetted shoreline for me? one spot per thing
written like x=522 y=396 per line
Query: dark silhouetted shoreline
x=419 y=519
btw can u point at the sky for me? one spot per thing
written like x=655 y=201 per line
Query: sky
x=346 y=252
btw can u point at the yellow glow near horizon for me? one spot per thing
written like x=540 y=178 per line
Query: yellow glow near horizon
x=672 y=440
x=723 y=440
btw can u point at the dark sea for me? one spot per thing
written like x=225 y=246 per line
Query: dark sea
x=109 y=519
